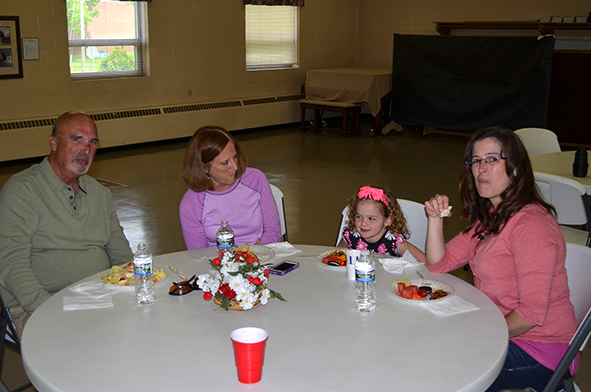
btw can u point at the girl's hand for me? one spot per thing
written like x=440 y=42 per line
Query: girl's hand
x=436 y=205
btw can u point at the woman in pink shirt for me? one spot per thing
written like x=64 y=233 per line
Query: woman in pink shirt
x=222 y=188
x=516 y=251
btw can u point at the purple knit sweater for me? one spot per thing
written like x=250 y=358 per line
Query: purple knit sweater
x=248 y=206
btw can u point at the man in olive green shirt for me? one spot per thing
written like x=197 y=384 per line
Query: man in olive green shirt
x=57 y=225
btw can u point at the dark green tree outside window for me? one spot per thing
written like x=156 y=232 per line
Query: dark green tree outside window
x=119 y=60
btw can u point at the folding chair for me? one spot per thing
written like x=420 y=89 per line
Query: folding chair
x=278 y=196
x=9 y=339
x=578 y=270
x=538 y=141
x=566 y=196
x=578 y=343
x=416 y=221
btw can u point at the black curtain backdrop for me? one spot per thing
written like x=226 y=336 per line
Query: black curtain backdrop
x=464 y=83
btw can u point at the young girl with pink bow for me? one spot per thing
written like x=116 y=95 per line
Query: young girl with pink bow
x=376 y=222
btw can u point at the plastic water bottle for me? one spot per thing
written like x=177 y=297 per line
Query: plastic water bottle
x=224 y=238
x=144 y=279
x=365 y=283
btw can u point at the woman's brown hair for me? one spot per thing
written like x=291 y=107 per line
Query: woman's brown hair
x=206 y=144
x=393 y=210
x=521 y=191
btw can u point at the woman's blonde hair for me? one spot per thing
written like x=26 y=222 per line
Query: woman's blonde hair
x=206 y=144
x=392 y=210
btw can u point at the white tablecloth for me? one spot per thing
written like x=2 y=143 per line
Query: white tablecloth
x=317 y=341
x=351 y=85
x=560 y=164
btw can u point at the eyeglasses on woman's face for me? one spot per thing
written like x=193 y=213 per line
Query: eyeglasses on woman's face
x=492 y=161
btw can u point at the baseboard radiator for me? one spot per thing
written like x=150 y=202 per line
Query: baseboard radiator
x=28 y=137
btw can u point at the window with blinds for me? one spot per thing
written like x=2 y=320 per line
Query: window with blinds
x=271 y=37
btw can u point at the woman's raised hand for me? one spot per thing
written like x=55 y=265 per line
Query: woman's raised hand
x=438 y=207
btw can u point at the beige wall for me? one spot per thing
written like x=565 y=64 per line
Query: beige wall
x=193 y=44
x=198 y=45
x=380 y=19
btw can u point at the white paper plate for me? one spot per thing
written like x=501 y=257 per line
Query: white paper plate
x=393 y=289
x=332 y=267
x=265 y=254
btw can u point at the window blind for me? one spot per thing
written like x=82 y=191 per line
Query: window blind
x=271 y=36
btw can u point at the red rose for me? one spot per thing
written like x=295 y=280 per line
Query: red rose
x=207 y=296
x=266 y=273
x=250 y=279
x=217 y=261
x=227 y=291
x=249 y=259
x=257 y=281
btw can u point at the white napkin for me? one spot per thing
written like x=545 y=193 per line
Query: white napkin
x=95 y=289
x=283 y=249
x=91 y=295
x=397 y=265
x=81 y=302
x=449 y=306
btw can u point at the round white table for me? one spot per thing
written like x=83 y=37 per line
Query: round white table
x=317 y=341
x=560 y=164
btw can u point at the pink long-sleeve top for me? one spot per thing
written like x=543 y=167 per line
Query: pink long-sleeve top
x=248 y=206
x=522 y=269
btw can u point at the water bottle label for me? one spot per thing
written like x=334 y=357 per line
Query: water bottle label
x=225 y=243
x=365 y=276
x=143 y=268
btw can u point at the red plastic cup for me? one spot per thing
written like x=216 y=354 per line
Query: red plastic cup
x=249 y=352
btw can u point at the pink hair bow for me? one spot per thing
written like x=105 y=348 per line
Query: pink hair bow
x=373 y=193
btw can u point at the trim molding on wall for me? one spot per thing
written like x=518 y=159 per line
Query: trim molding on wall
x=28 y=137
x=22 y=124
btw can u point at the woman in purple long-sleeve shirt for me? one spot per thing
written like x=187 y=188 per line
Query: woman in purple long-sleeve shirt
x=222 y=188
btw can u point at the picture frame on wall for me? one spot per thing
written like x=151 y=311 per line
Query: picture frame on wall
x=11 y=62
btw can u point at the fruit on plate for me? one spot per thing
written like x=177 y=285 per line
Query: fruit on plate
x=413 y=292
x=336 y=258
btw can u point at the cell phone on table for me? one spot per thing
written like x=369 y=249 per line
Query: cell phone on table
x=284 y=267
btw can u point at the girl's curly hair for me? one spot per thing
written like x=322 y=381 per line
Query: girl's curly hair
x=393 y=211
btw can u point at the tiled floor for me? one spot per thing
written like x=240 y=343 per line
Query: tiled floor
x=316 y=172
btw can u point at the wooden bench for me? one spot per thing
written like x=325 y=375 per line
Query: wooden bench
x=347 y=110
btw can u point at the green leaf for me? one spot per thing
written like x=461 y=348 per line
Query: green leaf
x=225 y=302
x=275 y=294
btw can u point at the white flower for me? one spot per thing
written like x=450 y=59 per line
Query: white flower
x=248 y=301
x=265 y=295
x=207 y=283
x=229 y=267
x=235 y=281
x=244 y=290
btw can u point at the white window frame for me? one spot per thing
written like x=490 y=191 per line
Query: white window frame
x=140 y=43
x=265 y=38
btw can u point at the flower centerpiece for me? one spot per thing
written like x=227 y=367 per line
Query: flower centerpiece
x=237 y=281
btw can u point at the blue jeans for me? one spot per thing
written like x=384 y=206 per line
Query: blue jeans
x=521 y=371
